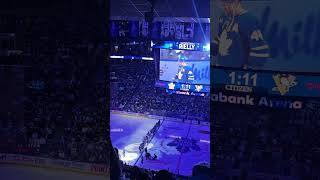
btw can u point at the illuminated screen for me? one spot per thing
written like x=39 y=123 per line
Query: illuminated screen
x=183 y=66
x=262 y=37
x=262 y=50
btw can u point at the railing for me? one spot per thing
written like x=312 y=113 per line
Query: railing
x=89 y=168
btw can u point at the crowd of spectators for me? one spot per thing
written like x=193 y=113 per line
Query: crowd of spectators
x=125 y=172
x=136 y=92
x=135 y=172
x=249 y=142
x=63 y=118
x=134 y=48
x=277 y=142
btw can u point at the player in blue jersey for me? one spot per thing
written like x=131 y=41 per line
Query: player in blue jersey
x=185 y=73
x=239 y=42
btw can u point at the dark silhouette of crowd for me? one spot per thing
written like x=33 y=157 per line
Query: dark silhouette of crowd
x=140 y=48
x=64 y=94
x=272 y=143
x=122 y=171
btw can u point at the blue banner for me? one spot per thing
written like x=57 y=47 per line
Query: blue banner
x=160 y=30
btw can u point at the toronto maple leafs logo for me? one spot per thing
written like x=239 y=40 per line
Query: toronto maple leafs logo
x=171 y=86
x=184 y=145
x=225 y=43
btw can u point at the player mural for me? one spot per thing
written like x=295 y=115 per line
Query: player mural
x=258 y=35
x=239 y=42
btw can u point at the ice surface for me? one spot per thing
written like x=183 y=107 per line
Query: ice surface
x=178 y=145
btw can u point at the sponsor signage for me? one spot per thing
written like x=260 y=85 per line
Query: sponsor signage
x=29 y=160
x=53 y=163
x=262 y=101
x=190 y=46
x=116 y=130
x=313 y=86
x=186 y=93
x=236 y=88
x=98 y=168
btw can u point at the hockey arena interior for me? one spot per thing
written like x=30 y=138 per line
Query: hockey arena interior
x=163 y=90
x=160 y=86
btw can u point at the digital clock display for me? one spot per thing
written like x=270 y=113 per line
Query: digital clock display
x=185 y=87
x=275 y=83
x=246 y=79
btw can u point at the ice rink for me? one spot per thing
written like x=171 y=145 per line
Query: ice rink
x=178 y=145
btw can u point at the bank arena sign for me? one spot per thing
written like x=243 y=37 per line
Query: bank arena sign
x=257 y=101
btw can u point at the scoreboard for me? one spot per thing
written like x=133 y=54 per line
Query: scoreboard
x=184 y=67
x=265 y=82
x=183 y=87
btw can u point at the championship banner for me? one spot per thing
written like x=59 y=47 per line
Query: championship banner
x=160 y=30
x=119 y=29
x=177 y=31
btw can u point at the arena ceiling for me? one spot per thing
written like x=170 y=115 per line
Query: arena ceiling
x=128 y=9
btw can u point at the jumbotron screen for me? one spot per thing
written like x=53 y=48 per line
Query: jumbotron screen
x=258 y=49
x=260 y=37
x=183 y=66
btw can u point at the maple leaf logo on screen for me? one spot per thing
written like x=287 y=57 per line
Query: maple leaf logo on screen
x=225 y=44
x=171 y=86
x=184 y=145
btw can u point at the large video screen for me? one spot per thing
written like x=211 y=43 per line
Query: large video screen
x=258 y=35
x=183 y=66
